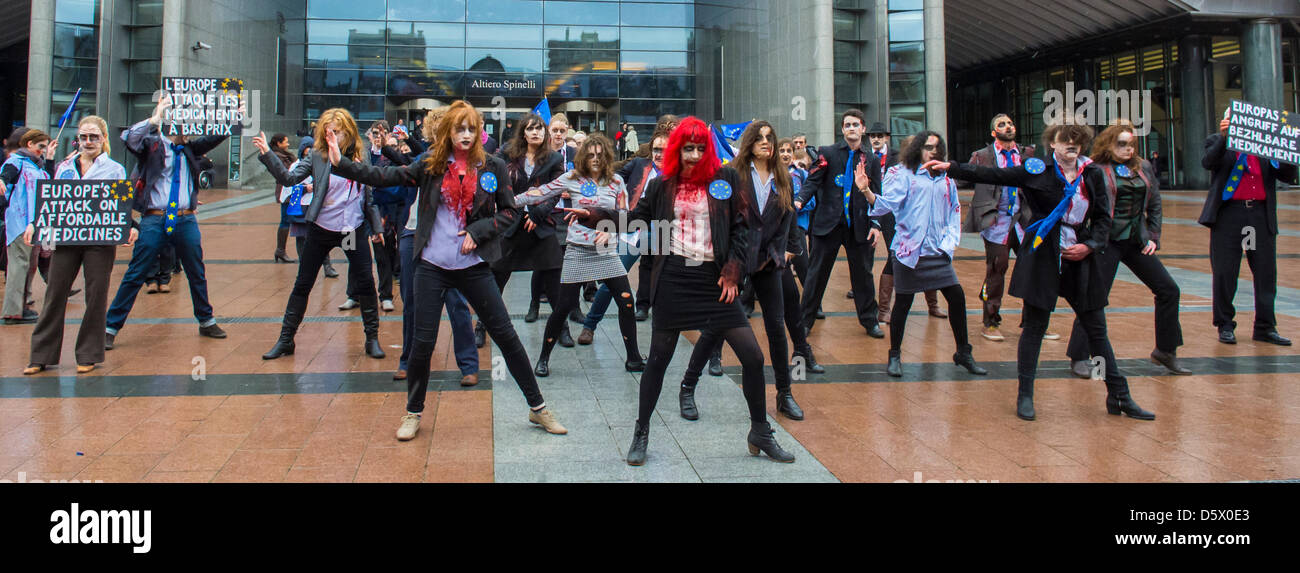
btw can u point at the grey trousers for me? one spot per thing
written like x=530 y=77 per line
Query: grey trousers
x=20 y=259
x=67 y=261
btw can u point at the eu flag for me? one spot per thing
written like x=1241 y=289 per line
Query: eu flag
x=543 y=108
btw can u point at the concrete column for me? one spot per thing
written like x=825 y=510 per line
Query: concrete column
x=40 y=65
x=173 y=38
x=1261 y=57
x=936 y=73
x=1193 y=51
x=821 y=107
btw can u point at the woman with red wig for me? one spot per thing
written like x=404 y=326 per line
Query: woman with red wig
x=704 y=253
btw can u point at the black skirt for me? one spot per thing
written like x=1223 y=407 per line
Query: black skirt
x=686 y=298
x=526 y=251
x=931 y=273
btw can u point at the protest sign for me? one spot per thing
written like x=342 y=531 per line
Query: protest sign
x=203 y=106
x=1263 y=132
x=83 y=211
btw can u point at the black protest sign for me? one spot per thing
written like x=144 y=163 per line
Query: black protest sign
x=83 y=211
x=203 y=106
x=1263 y=132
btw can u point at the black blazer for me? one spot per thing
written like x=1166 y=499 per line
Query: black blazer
x=491 y=214
x=1152 y=207
x=145 y=142
x=319 y=168
x=634 y=174
x=1041 y=276
x=983 y=210
x=830 y=197
x=770 y=230
x=549 y=170
x=728 y=224
x=1221 y=162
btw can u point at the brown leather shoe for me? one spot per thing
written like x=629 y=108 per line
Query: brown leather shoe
x=932 y=300
x=586 y=336
x=469 y=380
x=399 y=375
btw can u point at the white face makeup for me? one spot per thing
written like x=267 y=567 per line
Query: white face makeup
x=786 y=153
x=763 y=145
x=535 y=134
x=463 y=136
x=1125 y=145
x=594 y=162
x=90 y=141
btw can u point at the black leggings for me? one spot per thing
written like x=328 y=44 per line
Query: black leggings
x=779 y=298
x=547 y=281
x=956 y=317
x=1031 y=342
x=743 y=343
x=567 y=300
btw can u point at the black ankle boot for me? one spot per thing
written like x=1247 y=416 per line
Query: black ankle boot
x=762 y=438
x=1119 y=401
x=786 y=405
x=370 y=322
x=640 y=441
x=895 y=367
x=543 y=368
x=533 y=309
x=289 y=327
x=1025 y=407
x=966 y=360
x=810 y=361
x=634 y=364
x=687 y=398
x=715 y=364
x=566 y=339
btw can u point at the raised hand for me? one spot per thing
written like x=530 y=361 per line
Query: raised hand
x=936 y=165
x=332 y=139
x=259 y=141
x=860 y=177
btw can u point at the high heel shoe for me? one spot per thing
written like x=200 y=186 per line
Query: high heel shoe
x=895 y=367
x=687 y=401
x=1025 y=407
x=640 y=441
x=761 y=438
x=1122 y=403
x=966 y=360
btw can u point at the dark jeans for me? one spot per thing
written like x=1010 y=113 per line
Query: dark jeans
x=388 y=264
x=188 y=243
x=860 y=255
x=479 y=288
x=568 y=300
x=1225 y=263
x=1149 y=270
x=776 y=293
x=1031 y=341
x=956 y=298
x=743 y=343
x=462 y=325
x=67 y=261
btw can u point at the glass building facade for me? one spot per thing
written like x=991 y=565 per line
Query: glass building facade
x=75 y=58
x=599 y=62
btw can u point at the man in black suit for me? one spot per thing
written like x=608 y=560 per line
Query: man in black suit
x=1241 y=212
x=841 y=219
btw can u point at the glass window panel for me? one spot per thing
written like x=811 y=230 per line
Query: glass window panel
x=416 y=34
x=495 y=60
x=581 y=37
x=845 y=25
x=675 y=39
x=68 y=75
x=582 y=86
x=644 y=14
x=425 y=84
x=906 y=4
x=503 y=36
x=343 y=81
x=507 y=84
x=345 y=9
x=345 y=32
x=848 y=88
x=146 y=42
x=73 y=41
x=906 y=27
x=426 y=59
x=77 y=12
x=435 y=10
x=593 y=13
x=658 y=86
x=846 y=56
x=517 y=11
x=325 y=56
x=147 y=12
x=648 y=111
x=907 y=88
x=582 y=61
x=144 y=76
x=361 y=107
x=658 y=62
x=907 y=57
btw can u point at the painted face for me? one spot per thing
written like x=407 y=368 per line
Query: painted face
x=692 y=153
x=1065 y=150
x=851 y=127
x=594 y=162
x=90 y=140
x=1125 y=145
x=657 y=148
x=1004 y=129
x=535 y=134
x=38 y=149
x=786 y=153
x=462 y=137
x=930 y=149
x=800 y=143
x=878 y=140
x=558 y=131
x=344 y=141
x=762 y=148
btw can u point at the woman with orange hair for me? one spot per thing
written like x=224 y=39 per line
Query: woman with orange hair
x=465 y=204
x=340 y=211
x=703 y=258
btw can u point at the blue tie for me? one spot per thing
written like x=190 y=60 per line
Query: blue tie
x=1238 y=173
x=848 y=187
x=174 y=198
x=1009 y=191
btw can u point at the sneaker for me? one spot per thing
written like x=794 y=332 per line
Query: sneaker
x=212 y=331
x=410 y=425
x=349 y=304
x=108 y=341
x=1051 y=336
x=545 y=419
x=992 y=333
x=586 y=337
x=387 y=305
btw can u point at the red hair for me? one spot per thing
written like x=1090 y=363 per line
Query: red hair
x=692 y=130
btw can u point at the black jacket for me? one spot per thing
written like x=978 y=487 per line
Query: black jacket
x=318 y=167
x=728 y=224
x=1041 y=276
x=771 y=230
x=1221 y=162
x=145 y=142
x=1149 y=228
x=830 y=196
x=491 y=214
x=549 y=170
x=635 y=173
x=983 y=210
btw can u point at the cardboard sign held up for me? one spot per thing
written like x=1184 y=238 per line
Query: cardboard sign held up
x=83 y=211
x=1263 y=132
x=203 y=106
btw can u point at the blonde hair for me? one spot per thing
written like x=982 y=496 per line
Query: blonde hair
x=101 y=124
x=431 y=120
x=349 y=144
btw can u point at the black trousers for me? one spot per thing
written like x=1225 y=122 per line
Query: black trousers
x=800 y=262
x=1226 y=246
x=479 y=288
x=1149 y=270
x=316 y=250
x=777 y=294
x=568 y=300
x=388 y=265
x=1036 y=320
x=663 y=343
x=824 y=249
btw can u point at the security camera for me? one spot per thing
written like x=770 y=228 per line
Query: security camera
x=201 y=46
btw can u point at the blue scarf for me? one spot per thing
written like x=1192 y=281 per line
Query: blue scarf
x=1042 y=227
